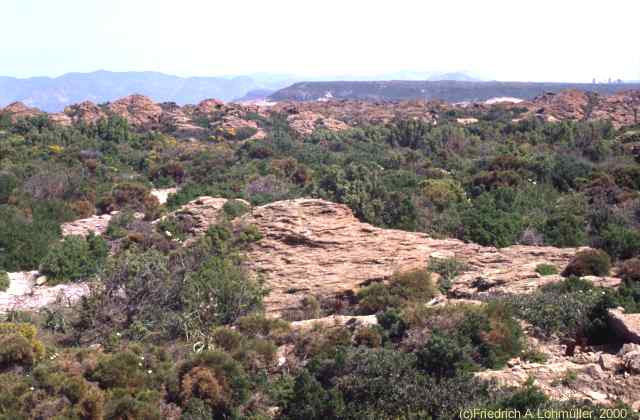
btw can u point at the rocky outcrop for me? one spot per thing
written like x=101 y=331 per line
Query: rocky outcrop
x=97 y=224
x=162 y=194
x=306 y=122
x=18 y=110
x=569 y=104
x=581 y=377
x=335 y=320
x=139 y=110
x=197 y=215
x=84 y=113
x=25 y=294
x=338 y=115
x=626 y=326
x=622 y=109
x=315 y=247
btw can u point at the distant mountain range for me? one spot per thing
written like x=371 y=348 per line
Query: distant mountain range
x=447 y=90
x=53 y=94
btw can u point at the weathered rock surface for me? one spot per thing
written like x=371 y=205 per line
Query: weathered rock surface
x=139 y=110
x=335 y=320
x=97 y=224
x=200 y=213
x=306 y=122
x=162 y=194
x=315 y=247
x=626 y=326
x=18 y=110
x=600 y=374
x=84 y=113
x=24 y=294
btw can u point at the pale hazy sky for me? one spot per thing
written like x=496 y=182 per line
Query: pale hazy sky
x=554 y=40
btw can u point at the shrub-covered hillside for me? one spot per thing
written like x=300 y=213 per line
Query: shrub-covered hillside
x=174 y=329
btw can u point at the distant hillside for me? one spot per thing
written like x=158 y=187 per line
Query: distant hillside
x=256 y=94
x=53 y=94
x=448 y=90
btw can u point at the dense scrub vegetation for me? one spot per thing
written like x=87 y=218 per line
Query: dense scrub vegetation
x=171 y=330
x=495 y=183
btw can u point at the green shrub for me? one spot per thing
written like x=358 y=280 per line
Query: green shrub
x=368 y=336
x=120 y=370
x=250 y=234
x=235 y=208
x=571 y=284
x=75 y=258
x=590 y=262
x=5 y=281
x=620 y=241
x=123 y=404
x=445 y=356
x=403 y=287
x=215 y=378
x=227 y=339
x=442 y=193
x=488 y=223
x=18 y=345
x=309 y=400
x=26 y=238
x=448 y=269
x=572 y=309
x=119 y=224
x=546 y=269
x=257 y=325
x=221 y=292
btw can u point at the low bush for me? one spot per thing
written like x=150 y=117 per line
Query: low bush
x=235 y=208
x=403 y=287
x=590 y=262
x=119 y=224
x=5 y=281
x=74 y=258
x=221 y=292
x=620 y=241
x=445 y=356
x=546 y=269
x=215 y=378
x=19 y=345
x=448 y=269
x=572 y=309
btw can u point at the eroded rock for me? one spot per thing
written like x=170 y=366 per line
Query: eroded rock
x=25 y=294
x=315 y=247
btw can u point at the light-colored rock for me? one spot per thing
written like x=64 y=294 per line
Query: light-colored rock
x=201 y=213
x=631 y=362
x=41 y=280
x=609 y=362
x=335 y=320
x=18 y=110
x=139 y=110
x=97 y=224
x=163 y=194
x=24 y=294
x=317 y=247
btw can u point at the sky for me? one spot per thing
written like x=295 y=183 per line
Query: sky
x=541 y=40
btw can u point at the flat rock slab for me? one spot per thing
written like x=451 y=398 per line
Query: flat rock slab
x=82 y=227
x=24 y=295
x=316 y=247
